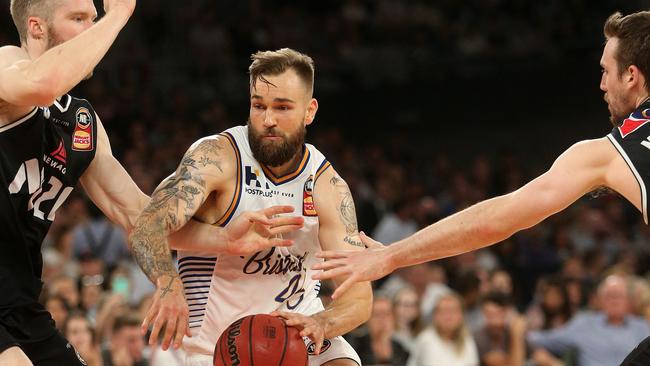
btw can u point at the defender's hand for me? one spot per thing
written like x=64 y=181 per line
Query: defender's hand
x=169 y=311
x=253 y=231
x=128 y=5
x=354 y=266
x=309 y=326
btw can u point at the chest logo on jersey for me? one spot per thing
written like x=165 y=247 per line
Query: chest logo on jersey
x=274 y=264
x=308 y=208
x=634 y=122
x=253 y=185
x=82 y=138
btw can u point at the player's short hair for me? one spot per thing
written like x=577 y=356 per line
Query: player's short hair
x=21 y=10
x=633 y=33
x=277 y=62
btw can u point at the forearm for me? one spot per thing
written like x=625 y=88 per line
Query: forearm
x=64 y=66
x=481 y=225
x=199 y=237
x=348 y=312
x=150 y=246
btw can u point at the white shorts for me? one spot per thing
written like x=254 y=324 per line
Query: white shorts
x=333 y=349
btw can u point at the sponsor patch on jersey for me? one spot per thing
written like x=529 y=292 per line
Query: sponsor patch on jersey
x=634 y=122
x=84 y=118
x=82 y=137
x=308 y=208
x=311 y=348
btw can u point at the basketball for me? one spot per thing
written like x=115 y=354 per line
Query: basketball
x=262 y=340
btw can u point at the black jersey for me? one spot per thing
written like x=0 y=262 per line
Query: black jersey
x=43 y=155
x=632 y=140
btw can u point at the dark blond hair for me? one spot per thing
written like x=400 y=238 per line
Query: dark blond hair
x=633 y=33
x=21 y=10
x=277 y=62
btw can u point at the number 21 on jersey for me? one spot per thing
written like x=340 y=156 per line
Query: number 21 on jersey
x=29 y=174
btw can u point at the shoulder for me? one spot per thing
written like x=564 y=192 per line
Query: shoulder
x=214 y=154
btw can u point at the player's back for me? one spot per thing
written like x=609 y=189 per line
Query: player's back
x=222 y=289
x=43 y=156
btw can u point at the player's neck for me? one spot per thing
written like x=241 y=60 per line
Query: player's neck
x=641 y=99
x=289 y=166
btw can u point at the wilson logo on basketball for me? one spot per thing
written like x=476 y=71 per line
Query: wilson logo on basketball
x=311 y=349
x=233 y=332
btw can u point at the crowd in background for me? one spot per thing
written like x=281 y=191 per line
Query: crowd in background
x=570 y=291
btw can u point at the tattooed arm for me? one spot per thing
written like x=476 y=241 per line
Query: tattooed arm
x=337 y=231
x=206 y=164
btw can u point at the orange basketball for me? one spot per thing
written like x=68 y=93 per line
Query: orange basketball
x=260 y=340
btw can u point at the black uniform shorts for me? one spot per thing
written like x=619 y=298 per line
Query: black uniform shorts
x=32 y=329
x=640 y=356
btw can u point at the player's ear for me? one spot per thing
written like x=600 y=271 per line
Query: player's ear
x=36 y=27
x=634 y=76
x=311 y=111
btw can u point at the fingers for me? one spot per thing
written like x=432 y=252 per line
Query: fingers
x=343 y=286
x=181 y=329
x=327 y=265
x=170 y=329
x=333 y=254
x=157 y=326
x=287 y=220
x=151 y=314
x=278 y=242
x=332 y=273
x=284 y=229
x=259 y=218
x=369 y=242
x=276 y=210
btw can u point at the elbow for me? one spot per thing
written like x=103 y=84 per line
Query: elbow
x=41 y=94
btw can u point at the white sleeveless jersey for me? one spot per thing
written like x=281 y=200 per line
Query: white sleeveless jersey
x=221 y=289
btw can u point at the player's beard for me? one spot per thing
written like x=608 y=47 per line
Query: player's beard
x=272 y=153
x=54 y=39
x=619 y=108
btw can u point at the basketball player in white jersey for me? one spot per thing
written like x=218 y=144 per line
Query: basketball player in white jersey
x=248 y=168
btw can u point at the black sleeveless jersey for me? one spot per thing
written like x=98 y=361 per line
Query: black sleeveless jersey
x=43 y=155
x=632 y=140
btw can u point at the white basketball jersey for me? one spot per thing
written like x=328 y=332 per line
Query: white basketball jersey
x=221 y=289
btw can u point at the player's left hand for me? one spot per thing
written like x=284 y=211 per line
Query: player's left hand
x=309 y=326
x=253 y=231
x=354 y=265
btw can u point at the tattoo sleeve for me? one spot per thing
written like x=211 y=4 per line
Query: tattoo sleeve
x=347 y=212
x=172 y=205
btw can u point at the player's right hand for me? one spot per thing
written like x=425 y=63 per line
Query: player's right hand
x=253 y=231
x=112 y=4
x=168 y=311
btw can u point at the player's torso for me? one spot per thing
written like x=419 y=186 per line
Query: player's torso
x=43 y=156
x=278 y=278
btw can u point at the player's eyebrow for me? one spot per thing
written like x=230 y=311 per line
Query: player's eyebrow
x=277 y=100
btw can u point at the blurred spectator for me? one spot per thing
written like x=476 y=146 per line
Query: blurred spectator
x=552 y=307
x=79 y=332
x=599 y=338
x=499 y=341
x=58 y=308
x=67 y=288
x=99 y=238
x=127 y=343
x=378 y=346
x=447 y=341
x=407 y=317
x=396 y=225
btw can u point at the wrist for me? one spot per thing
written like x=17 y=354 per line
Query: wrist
x=164 y=280
x=120 y=11
x=391 y=259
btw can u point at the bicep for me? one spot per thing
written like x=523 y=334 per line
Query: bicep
x=203 y=168
x=578 y=171
x=110 y=187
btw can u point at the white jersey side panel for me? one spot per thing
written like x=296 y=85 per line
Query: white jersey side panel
x=275 y=279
